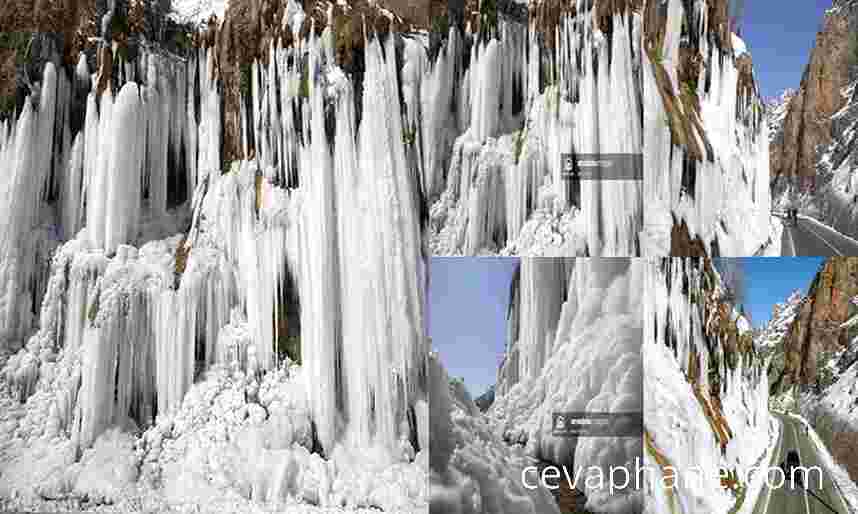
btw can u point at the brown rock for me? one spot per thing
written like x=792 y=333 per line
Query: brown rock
x=816 y=329
x=808 y=119
x=682 y=245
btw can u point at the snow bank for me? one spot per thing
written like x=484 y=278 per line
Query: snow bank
x=234 y=436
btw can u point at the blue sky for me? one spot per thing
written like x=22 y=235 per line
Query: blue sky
x=468 y=300
x=780 y=35
x=770 y=280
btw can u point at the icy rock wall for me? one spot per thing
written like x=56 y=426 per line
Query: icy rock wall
x=471 y=469
x=348 y=244
x=706 y=408
x=159 y=315
x=569 y=104
x=596 y=333
x=101 y=160
x=23 y=188
x=543 y=287
x=705 y=145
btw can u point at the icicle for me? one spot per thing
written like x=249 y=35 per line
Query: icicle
x=122 y=182
x=72 y=196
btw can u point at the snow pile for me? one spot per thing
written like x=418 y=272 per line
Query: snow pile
x=707 y=394
x=582 y=316
x=471 y=469
x=236 y=436
x=518 y=106
x=721 y=190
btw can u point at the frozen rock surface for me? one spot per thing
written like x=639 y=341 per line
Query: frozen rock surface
x=153 y=305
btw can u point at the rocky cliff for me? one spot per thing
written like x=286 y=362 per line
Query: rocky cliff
x=808 y=123
x=815 y=340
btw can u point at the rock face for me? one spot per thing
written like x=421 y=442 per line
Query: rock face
x=808 y=121
x=815 y=335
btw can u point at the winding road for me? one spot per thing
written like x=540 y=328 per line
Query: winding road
x=819 y=498
x=812 y=238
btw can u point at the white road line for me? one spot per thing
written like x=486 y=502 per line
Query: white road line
x=836 y=489
x=836 y=251
x=777 y=457
x=792 y=472
x=791 y=243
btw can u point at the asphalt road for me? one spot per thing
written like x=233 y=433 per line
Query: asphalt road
x=811 y=238
x=821 y=496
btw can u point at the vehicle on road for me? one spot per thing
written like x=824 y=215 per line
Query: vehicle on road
x=790 y=468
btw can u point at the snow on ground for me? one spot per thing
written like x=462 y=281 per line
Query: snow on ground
x=585 y=319
x=472 y=469
x=845 y=484
x=757 y=481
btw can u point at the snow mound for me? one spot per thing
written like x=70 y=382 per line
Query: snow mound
x=236 y=437
x=473 y=470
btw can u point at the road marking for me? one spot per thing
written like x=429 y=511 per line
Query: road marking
x=791 y=243
x=777 y=456
x=831 y=478
x=802 y=463
x=836 y=251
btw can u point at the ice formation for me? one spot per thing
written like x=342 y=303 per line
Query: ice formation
x=518 y=105
x=472 y=469
x=705 y=144
x=706 y=410
x=583 y=316
x=176 y=284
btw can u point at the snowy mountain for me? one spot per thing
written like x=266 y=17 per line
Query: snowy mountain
x=783 y=314
x=776 y=112
x=813 y=345
x=706 y=411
